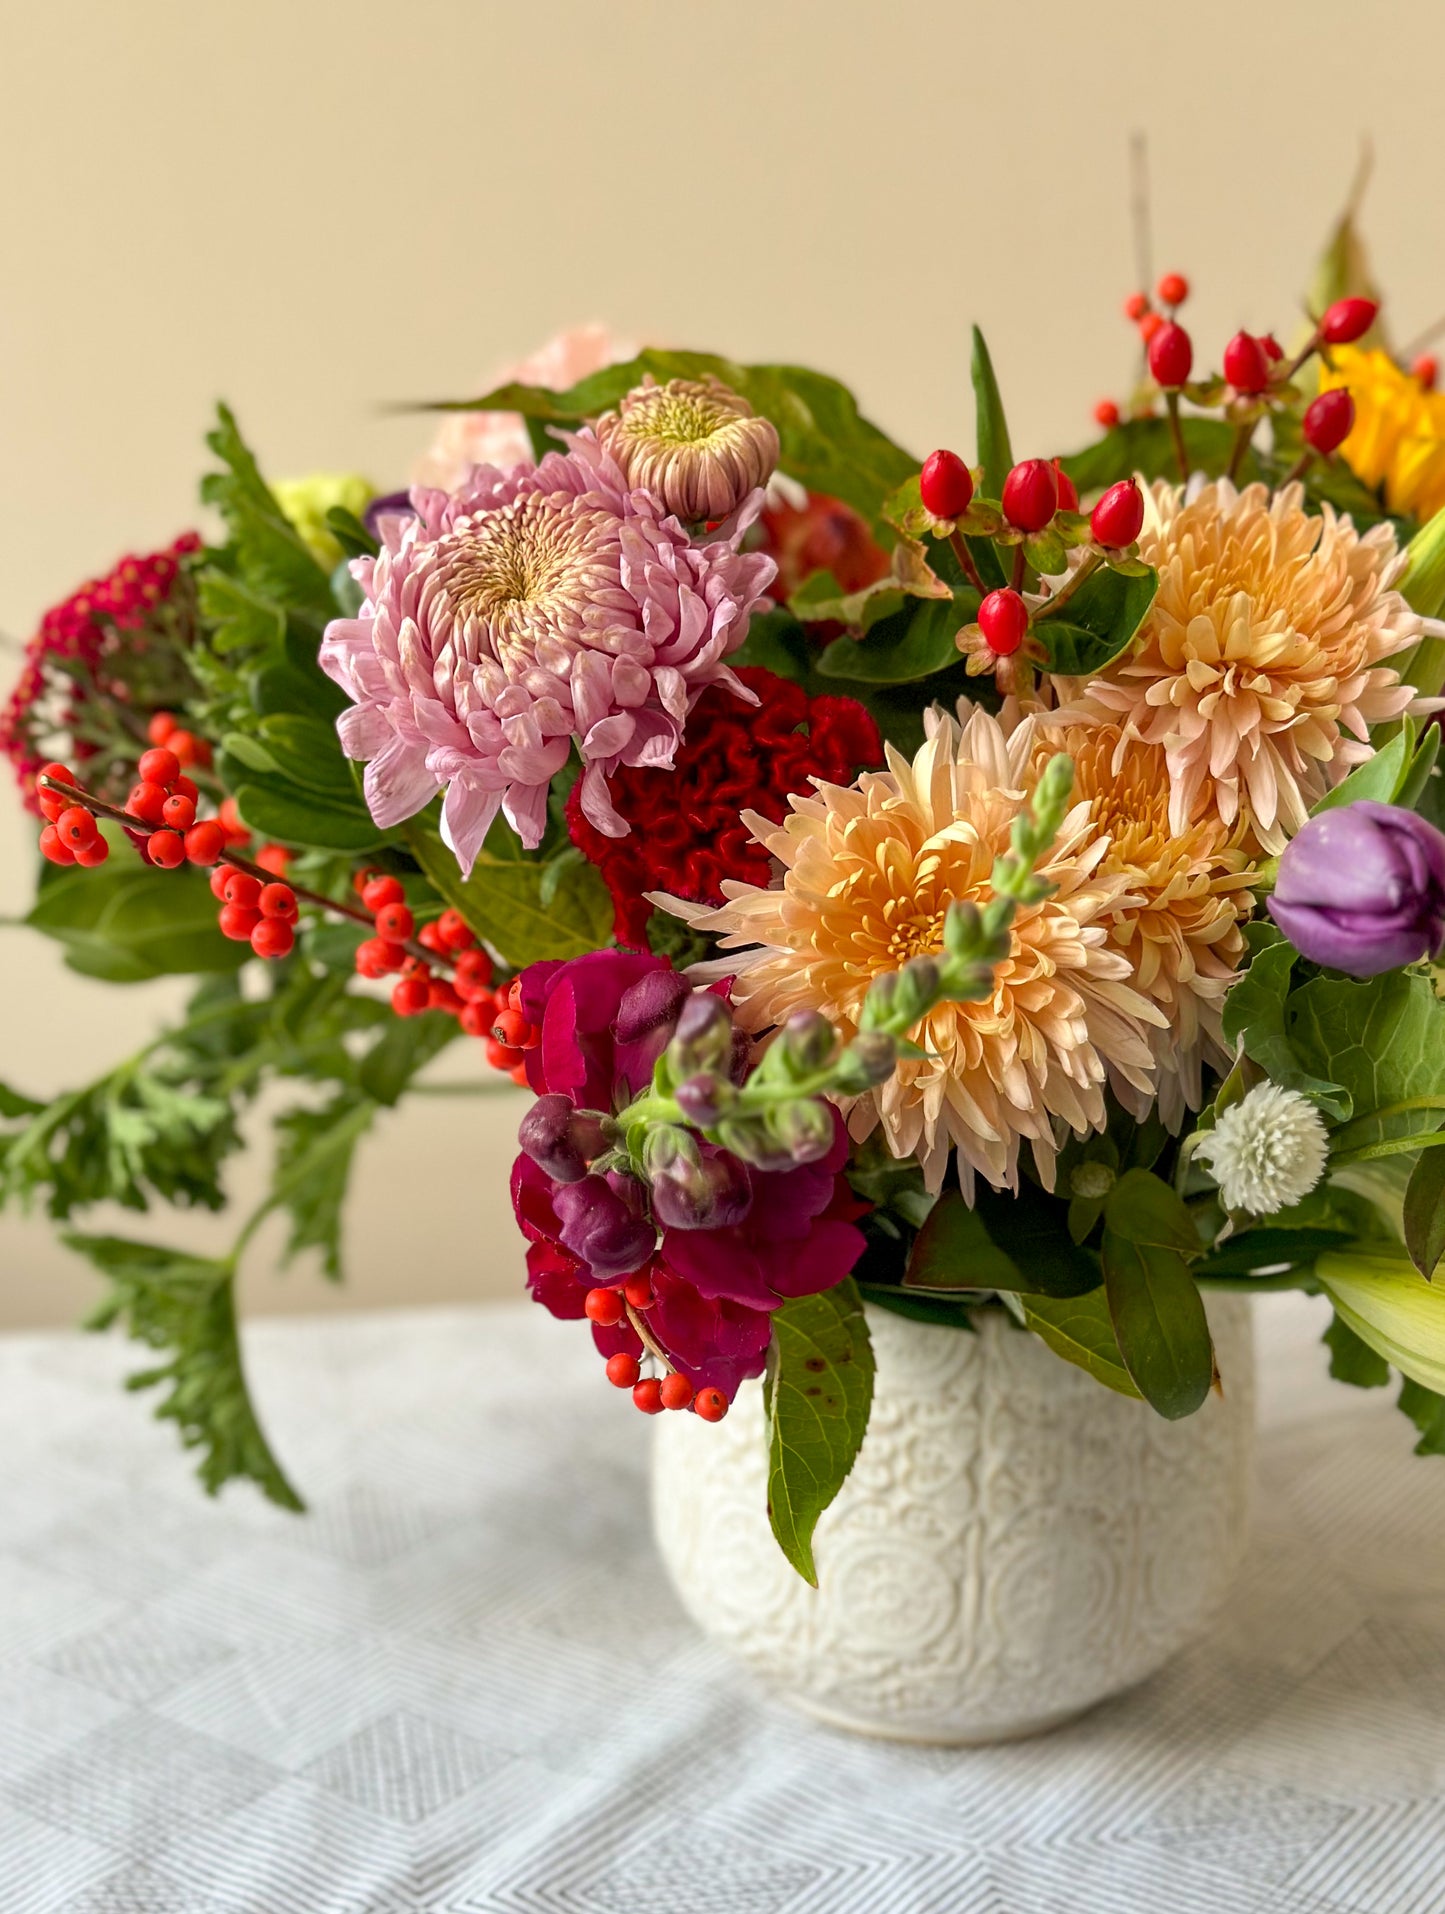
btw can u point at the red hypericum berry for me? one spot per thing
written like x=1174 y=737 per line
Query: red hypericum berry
x=189 y=748
x=410 y=996
x=945 y=485
x=1151 y=324
x=441 y=996
x=75 y=826
x=237 y=921
x=623 y=1370
x=511 y=1027
x=274 y=858
x=1031 y=495
x=1271 y=348
x=638 y=1291
x=1068 y=491
x=218 y=878
x=647 y=1396
x=473 y=976
x=1003 y=618
x=278 y=900
x=1119 y=515
x=378 y=892
x=1136 y=305
x=159 y=766
x=456 y=932
x=1329 y=419
x=1106 y=413
x=676 y=1391
x=161 y=726
x=1427 y=370
x=205 y=841
x=179 y=812
x=603 y=1306
x=395 y=923
x=1347 y=320
x=54 y=848
x=1245 y=364
x=96 y=852
x=1173 y=289
x=501 y=1056
x=241 y=888
x=1171 y=354
x=430 y=938
x=273 y=937
x=711 y=1404
x=147 y=802
x=476 y=1019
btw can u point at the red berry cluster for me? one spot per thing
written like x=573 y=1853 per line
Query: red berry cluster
x=651 y=1394
x=70 y=834
x=261 y=915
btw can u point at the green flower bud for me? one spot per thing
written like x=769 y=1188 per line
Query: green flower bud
x=868 y=1061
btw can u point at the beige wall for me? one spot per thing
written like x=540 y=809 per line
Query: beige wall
x=312 y=208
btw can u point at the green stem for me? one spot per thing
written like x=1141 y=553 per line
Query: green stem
x=1086 y=569
x=1344 y=1138
x=1176 y=433
x=1242 y=435
x=965 y=558
x=1389 y=1146
x=1260 y=1285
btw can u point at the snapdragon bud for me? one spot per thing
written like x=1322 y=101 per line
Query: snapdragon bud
x=601 y=1229
x=868 y=1061
x=805 y=1043
x=712 y=1194
x=650 y=1006
x=562 y=1139
x=703 y=1039
x=665 y=1147
x=804 y=1128
x=703 y=1098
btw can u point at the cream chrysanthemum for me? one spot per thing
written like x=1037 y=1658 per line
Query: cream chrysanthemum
x=1188 y=893
x=868 y=873
x=1260 y=666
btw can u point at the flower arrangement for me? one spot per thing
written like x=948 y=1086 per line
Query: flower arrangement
x=941 y=885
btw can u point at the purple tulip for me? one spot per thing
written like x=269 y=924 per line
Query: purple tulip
x=1362 y=889
x=601 y=1229
x=390 y=504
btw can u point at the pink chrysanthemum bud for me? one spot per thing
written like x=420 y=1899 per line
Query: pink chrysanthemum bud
x=694 y=444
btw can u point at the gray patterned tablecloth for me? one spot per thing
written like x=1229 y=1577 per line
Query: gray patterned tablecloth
x=462 y=1683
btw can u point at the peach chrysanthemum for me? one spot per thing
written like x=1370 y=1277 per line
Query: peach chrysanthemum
x=868 y=873
x=1188 y=894
x=1260 y=666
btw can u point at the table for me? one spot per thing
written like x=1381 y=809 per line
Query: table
x=463 y=1684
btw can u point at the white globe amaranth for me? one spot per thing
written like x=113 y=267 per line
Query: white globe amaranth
x=1267 y=1151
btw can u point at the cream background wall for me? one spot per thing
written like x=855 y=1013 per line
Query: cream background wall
x=311 y=208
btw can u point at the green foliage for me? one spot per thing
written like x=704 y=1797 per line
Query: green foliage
x=995 y=452
x=185 y=1306
x=1001 y=1242
x=1426 y=1410
x=911 y=645
x=314 y=1154
x=264 y=549
x=1255 y=1014
x=1080 y=1329
x=1425 y=1212
x=1143 y=446
x=350 y=534
x=1154 y=1304
x=508 y=901
x=1351 y=1359
x=1383 y=777
x=127 y=922
x=818 y=1391
x=1383 y=1041
x=1096 y=622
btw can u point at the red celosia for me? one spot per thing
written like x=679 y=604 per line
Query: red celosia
x=79 y=655
x=686 y=829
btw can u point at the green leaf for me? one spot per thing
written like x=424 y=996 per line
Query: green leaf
x=502 y=899
x=1079 y=1329
x=1378 y=778
x=1000 y=1243
x=1351 y=1359
x=288 y=815
x=1383 y=1042
x=350 y=533
x=268 y=554
x=1389 y=1305
x=240 y=620
x=184 y=1307
x=1255 y=1017
x=405 y=1046
x=1270 y=1252
x=1426 y=1410
x=1423 y=587
x=1425 y=1212
x=818 y=1391
x=1096 y=622
x=1143 y=446
x=911 y=645
x=995 y=454
x=778 y=643
x=315 y=1150
x=953 y=1250
x=14 y=1104
x=1154 y=1303
x=128 y=922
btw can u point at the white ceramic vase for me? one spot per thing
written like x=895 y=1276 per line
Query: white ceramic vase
x=1015 y=1542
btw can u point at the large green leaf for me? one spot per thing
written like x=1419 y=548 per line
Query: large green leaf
x=826 y=442
x=1382 y=1040
x=911 y=645
x=282 y=811
x=1144 y=446
x=995 y=453
x=818 y=1390
x=1255 y=1017
x=1384 y=1299
x=127 y=922
x=506 y=899
x=954 y=1251
x=999 y=1242
x=1079 y=1329
x=1154 y=1303
x=1096 y=622
x=1380 y=777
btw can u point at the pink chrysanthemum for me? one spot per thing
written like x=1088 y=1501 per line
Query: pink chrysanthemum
x=528 y=611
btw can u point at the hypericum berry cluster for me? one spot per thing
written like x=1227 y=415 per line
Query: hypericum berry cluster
x=468 y=994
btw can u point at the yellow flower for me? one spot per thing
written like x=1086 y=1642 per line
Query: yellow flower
x=1398 y=438
x=1187 y=895
x=306 y=501
x=868 y=872
x=1259 y=669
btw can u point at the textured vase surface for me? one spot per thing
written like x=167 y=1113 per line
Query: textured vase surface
x=1015 y=1541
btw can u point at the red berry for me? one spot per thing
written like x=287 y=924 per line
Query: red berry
x=179 y=812
x=518 y=1074
x=273 y=937
x=159 y=766
x=1150 y=324
x=50 y=804
x=441 y=996
x=205 y=841
x=473 y=977
x=75 y=826
x=603 y=1306
x=147 y=802
x=229 y=818
x=456 y=932
x=1271 y=347
x=501 y=1057
x=476 y=1019
x=395 y=923
x=189 y=748
x=54 y=848
x=1106 y=413
x=1031 y=495
x=410 y=996
x=274 y=858
x=378 y=892
x=1068 y=491
x=237 y=922
x=430 y=938
x=1245 y=364
x=1329 y=419
x=647 y=1396
x=161 y=726
x=278 y=900
x=1173 y=289
x=1171 y=354
x=376 y=958
x=96 y=852
x=514 y=994
x=57 y=773
x=360 y=879
x=1117 y=518
x=1136 y=305
x=638 y=1291
x=1347 y=320
x=623 y=1370
x=676 y=1391
x=1427 y=370
x=945 y=485
x=218 y=879
x=1004 y=619
x=243 y=889
x=710 y=1404
x=511 y=1027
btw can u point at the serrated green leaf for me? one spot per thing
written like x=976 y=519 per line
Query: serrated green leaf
x=1079 y=1329
x=1426 y=1410
x=1425 y=1212
x=1097 y=622
x=315 y=1150
x=268 y=554
x=502 y=899
x=239 y=619
x=913 y=644
x=1351 y=1359
x=1154 y=1302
